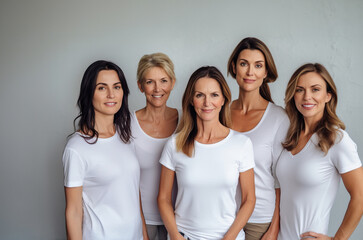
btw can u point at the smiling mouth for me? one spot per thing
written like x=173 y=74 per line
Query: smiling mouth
x=157 y=96
x=308 y=106
x=110 y=104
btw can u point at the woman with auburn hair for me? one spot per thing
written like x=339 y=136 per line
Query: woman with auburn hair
x=151 y=127
x=101 y=171
x=255 y=115
x=318 y=152
x=208 y=160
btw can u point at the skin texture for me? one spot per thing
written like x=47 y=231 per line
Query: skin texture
x=311 y=88
x=107 y=101
x=248 y=109
x=207 y=101
x=157 y=119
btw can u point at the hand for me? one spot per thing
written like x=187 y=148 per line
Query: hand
x=177 y=237
x=314 y=235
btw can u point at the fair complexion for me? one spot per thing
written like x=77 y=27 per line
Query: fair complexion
x=107 y=101
x=310 y=98
x=248 y=109
x=207 y=101
x=157 y=119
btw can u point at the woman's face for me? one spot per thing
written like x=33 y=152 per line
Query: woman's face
x=311 y=96
x=207 y=99
x=157 y=86
x=250 y=70
x=107 y=99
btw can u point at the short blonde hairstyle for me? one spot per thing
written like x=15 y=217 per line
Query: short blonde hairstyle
x=155 y=60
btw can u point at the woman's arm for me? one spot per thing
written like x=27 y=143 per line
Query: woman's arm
x=247 y=182
x=353 y=182
x=274 y=228
x=144 y=231
x=165 y=203
x=74 y=212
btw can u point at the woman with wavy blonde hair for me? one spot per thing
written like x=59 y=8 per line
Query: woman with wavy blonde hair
x=318 y=152
x=209 y=160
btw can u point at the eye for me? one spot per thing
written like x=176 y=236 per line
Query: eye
x=243 y=64
x=198 y=95
x=100 y=88
x=215 y=95
x=118 y=87
x=316 y=89
x=164 y=80
x=298 y=90
x=259 y=65
x=148 y=82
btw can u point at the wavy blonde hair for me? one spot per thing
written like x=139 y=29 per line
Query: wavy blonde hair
x=328 y=127
x=187 y=129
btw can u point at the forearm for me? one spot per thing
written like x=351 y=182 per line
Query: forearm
x=351 y=219
x=74 y=224
x=167 y=214
x=241 y=219
x=274 y=228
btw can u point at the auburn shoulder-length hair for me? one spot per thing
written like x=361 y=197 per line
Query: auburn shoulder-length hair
x=328 y=127
x=86 y=116
x=187 y=129
x=255 y=44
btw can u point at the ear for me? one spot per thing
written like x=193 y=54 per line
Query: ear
x=172 y=84
x=140 y=87
x=266 y=72
x=328 y=97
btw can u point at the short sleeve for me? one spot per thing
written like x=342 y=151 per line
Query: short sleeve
x=166 y=158
x=344 y=154
x=247 y=161
x=74 y=168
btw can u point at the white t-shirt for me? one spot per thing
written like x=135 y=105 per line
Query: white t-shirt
x=207 y=183
x=148 y=152
x=309 y=181
x=109 y=173
x=266 y=138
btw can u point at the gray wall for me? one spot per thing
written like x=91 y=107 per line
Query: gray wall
x=45 y=46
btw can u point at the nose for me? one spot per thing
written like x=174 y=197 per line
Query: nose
x=250 y=70
x=157 y=86
x=307 y=95
x=110 y=93
x=206 y=101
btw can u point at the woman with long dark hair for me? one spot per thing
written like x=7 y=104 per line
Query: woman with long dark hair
x=101 y=171
x=209 y=160
x=255 y=115
x=318 y=153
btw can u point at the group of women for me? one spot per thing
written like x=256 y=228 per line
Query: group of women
x=246 y=169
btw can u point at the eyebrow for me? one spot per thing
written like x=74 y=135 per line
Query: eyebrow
x=315 y=85
x=242 y=59
x=106 y=84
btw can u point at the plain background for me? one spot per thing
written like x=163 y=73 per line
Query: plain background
x=46 y=45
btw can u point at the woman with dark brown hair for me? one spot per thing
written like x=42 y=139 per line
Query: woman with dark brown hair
x=255 y=115
x=318 y=153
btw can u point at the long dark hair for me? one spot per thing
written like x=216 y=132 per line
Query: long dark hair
x=86 y=116
x=256 y=44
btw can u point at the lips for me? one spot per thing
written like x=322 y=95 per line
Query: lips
x=207 y=110
x=110 y=104
x=308 y=106
x=158 y=96
x=246 y=80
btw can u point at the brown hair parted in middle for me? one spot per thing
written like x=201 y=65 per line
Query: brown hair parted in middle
x=328 y=126
x=255 y=44
x=187 y=129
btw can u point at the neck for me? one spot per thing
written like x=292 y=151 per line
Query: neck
x=210 y=130
x=250 y=100
x=155 y=114
x=309 y=126
x=104 y=125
